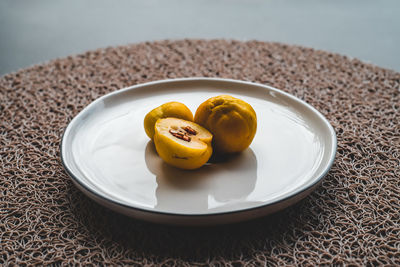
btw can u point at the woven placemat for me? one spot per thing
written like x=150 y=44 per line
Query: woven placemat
x=352 y=218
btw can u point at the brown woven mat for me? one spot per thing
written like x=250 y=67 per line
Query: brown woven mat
x=352 y=218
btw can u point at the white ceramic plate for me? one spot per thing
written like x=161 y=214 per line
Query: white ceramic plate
x=109 y=157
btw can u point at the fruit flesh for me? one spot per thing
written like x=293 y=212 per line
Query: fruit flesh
x=170 y=109
x=232 y=121
x=178 y=152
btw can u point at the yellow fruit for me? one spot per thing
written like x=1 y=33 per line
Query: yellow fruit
x=170 y=109
x=183 y=144
x=232 y=121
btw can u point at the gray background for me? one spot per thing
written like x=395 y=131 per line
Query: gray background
x=32 y=32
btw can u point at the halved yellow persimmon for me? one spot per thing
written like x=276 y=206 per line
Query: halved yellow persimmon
x=181 y=143
x=232 y=121
x=170 y=109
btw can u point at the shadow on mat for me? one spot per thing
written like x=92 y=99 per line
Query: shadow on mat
x=116 y=233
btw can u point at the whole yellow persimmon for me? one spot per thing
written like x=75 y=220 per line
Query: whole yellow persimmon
x=232 y=121
x=170 y=109
x=183 y=144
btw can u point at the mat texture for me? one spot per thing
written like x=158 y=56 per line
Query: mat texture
x=352 y=218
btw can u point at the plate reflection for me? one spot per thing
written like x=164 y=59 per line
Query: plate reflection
x=220 y=183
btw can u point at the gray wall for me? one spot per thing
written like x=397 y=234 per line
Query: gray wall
x=36 y=31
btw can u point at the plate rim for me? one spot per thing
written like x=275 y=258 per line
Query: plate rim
x=96 y=196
